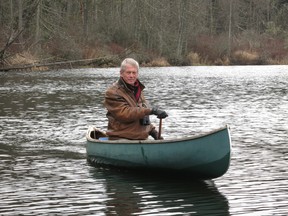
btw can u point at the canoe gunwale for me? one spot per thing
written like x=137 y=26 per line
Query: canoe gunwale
x=125 y=141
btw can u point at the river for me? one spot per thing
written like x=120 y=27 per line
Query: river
x=44 y=117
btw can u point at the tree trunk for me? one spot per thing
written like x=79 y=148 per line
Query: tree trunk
x=211 y=18
x=38 y=14
x=181 y=28
x=268 y=11
x=11 y=13
x=95 y=16
x=69 y=9
x=230 y=28
x=85 y=19
x=20 y=19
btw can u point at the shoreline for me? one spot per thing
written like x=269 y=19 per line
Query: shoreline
x=55 y=66
x=35 y=69
x=109 y=62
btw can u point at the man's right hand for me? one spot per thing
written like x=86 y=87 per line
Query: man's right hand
x=154 y=133
x=161 y=114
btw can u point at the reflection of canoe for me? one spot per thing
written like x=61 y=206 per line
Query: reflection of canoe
x=130 y=193
x=203 y=156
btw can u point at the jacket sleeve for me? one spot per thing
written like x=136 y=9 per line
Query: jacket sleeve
x=120 y=109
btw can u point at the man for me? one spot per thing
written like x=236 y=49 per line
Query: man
x=128 y=111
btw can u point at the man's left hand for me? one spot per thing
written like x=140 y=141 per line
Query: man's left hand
x=161 y=114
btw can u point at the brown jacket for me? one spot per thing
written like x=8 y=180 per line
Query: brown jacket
x=124 y=112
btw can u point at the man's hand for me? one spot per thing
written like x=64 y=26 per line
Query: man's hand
x=161 y=114
x=154 y=134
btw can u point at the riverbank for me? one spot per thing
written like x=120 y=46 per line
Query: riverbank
x=29 y=62
x=52 y=57
x=68 y=34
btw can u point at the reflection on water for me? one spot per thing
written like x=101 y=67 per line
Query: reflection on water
x=44 y=117
x=129 y=194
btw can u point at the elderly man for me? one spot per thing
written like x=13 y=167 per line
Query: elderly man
x=128 y=111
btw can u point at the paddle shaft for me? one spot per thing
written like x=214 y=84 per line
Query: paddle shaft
x=160 y=128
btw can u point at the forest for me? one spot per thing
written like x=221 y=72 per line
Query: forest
x=99 y=33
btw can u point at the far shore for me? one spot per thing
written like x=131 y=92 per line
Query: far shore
x=24 y=63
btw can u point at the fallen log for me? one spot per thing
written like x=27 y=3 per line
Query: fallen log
x=107 y=60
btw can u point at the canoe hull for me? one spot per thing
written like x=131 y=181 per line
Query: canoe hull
x=206 y=156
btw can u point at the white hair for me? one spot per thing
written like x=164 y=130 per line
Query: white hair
x=129 y=61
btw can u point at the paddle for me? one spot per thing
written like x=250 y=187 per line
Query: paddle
x=160 y=127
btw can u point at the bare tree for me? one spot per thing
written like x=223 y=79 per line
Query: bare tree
x=38 y=28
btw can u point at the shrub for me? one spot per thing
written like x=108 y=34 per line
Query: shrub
x=62 y=49
x=22 y=59
x=159 y=62
x=242 y=57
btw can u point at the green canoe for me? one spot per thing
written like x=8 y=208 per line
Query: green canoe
x=204 y=156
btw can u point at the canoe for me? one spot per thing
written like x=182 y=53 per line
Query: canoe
x=204 y=156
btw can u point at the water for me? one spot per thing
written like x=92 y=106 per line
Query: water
x=44 y=117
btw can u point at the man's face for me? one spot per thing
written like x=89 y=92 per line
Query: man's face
x=130 y=75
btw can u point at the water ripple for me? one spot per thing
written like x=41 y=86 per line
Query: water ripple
x=44 y=117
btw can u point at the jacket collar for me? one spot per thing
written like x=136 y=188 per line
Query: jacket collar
x=123 y=84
